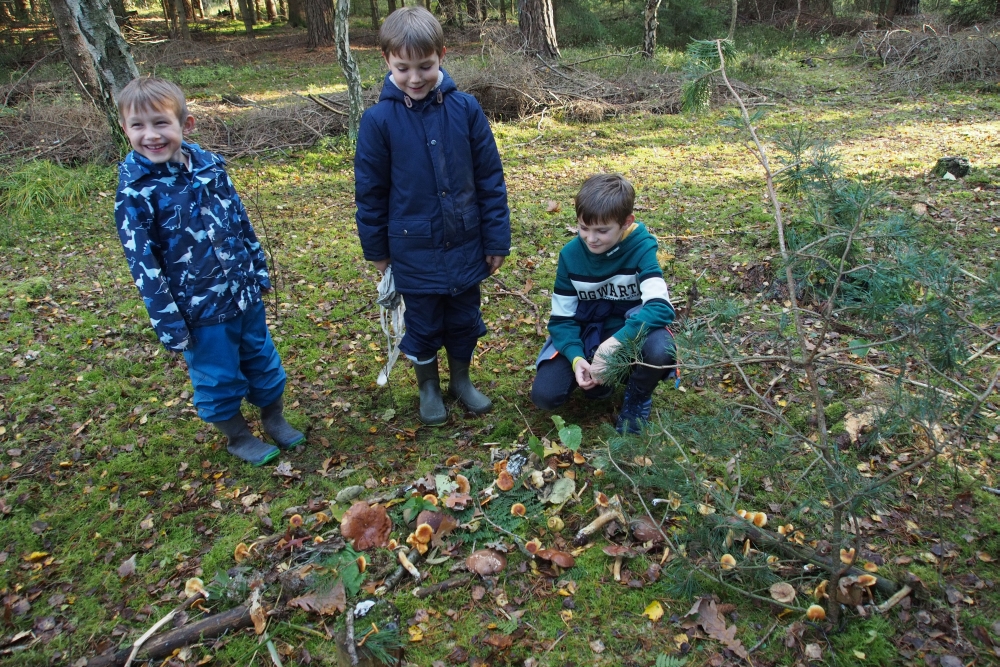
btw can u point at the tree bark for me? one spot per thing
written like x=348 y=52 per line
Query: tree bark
x=350 y=67
x=375 y=17
x=319 y=20
x=536 y=20
x=392 y=7
x=649 y=37
x=296 y=14
x=97 y=53
x=246 y=13
x=232 y=11
x=472 y=6
x=185 y=34
x=272 y=13
x=450 y=8
x=503 y=11
x=732 y=18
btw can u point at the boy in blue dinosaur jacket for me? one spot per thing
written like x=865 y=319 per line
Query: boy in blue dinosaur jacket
x=199 y=268
x=432 y=202
x=609 y=289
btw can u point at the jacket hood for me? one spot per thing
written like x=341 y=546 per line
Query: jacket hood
x=391 y=92
x=135 y=166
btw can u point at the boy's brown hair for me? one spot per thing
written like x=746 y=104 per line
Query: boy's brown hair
x=413 y=31
x=148 y=93
x=605 y=198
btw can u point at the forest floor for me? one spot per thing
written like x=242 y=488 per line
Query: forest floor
x=113 y=494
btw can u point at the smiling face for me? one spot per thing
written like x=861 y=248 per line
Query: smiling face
x=415 y=75
x=156 y=134
x=601 y=237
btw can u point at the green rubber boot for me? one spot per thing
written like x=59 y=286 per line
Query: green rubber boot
x=461 y=388
x=244 y=444
x=432 y=410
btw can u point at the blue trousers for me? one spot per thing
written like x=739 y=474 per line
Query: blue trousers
x=555 y=381
x=232 y=361
x=433 y=321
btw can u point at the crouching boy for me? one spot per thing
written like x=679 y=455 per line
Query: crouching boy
x=199 y=268
x=609 y=290
x=432 y=202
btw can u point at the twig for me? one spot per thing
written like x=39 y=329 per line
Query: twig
x=393 y=579
x=763 y=639
x=352 y=650
x=159 y=624
x=894 y=600
x=442 y=586
x=990 y=489
x=531 y=304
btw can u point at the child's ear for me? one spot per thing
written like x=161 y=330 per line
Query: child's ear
x=629 y=220
x=188 y=125
x=444 y=50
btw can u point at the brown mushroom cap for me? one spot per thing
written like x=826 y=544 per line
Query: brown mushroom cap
x=432 y=518
x=644 y=530
x=485 y=562
x=533 y=546
x=620 y=551
x=295 y=521
x=463 y=483
x=816 y=613
x=505 y=481
x=367 y=526
x=424 y=533
x=560 y=558
x=518 y=509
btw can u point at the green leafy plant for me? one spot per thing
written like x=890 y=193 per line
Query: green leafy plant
x=570 y=435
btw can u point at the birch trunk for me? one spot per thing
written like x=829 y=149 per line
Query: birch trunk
x=350 y=67
x=97 y=53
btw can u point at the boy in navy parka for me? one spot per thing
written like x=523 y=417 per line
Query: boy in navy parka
x=199 y=268
x=432 y=202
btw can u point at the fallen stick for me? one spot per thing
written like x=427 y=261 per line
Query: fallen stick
x=613 y=512
x=165 y=644
x=896 y=598
x=442 y=586
x=352 y=650
x=393 y=579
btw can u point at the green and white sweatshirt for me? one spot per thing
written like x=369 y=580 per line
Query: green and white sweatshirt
x=628 y=274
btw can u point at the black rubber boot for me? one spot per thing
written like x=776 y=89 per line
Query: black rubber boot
x=242 y=443
x=635 y=410
x=461 y=388
x=279 y=430
x=432 y=410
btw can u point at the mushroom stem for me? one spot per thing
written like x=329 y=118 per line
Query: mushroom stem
x=613 y=512
x=408 y=566
x=617 y=569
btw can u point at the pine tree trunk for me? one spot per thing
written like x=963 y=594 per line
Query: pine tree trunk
x=96 y=52
x=503 y=11
x=246 y=13
x=732 y=18
x=473 y=9
x=282 y=10
x=232 y=11
x=375 y=16
x=257 y=12
x=272 y=13
x=538 y=29
x=117 y=6
x=319 y=20
x=350 y=67
x=392 y=7
x=649 y=37
x=182 y=21
x=296 y=14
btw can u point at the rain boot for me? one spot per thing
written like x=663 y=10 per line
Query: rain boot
x=244 y=444
x=636 y=406
x=461 y=388
x=432 y=411
x=279 y=430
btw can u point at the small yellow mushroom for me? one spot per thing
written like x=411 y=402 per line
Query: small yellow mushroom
x=847 y=556
x=741 y=513
x=517 y=509
x=242 y=553
x=867 y=580
x=727 y=562
x=432 y=499
x=533 y=546
x=759 y=519
x=463 y=483
x=362 y=564
x=816 y=613
x=423 y=533
x=820 y=591
x=555 y=523
x=295 y=521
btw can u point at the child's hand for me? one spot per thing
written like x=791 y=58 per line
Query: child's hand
x=381 y=265
x=494 y=262
x=601 y=357
x=584 y=378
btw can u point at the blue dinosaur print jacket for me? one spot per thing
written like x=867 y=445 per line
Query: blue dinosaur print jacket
x=430 y=189
x=189 y=244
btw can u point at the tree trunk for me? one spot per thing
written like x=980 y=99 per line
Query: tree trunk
x=258 y=13
x=117 y=6
x=503 y=11
x=473 y=9
x=182 y=20
x=649 y=38
x=350 y=67
x=246 y=13
x=319 y=20
x=97 y=53
x=538 y=29
x=232 y=11
x=732 y=19
x=450 y=8
x=272 y=13
x=199 y=9
x=392 y=7
x=375 y=16
x=296 y=14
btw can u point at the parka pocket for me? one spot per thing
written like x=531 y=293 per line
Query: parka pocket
x=470 y=217
x=410 y=229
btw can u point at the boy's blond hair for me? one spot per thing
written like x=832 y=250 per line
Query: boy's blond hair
x=413 y=31
x=605 y=198
x=149 y=93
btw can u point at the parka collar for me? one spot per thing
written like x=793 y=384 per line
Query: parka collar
x=135 y=166
x=392 y=92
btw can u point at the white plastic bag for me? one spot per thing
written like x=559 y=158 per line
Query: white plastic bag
x=391 y=309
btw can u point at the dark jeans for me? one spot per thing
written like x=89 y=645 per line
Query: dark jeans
x=434 y=321
x=554 y=381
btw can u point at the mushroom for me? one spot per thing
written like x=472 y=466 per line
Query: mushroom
x=619 y=552
x=486 y=562
x=362 y=563
x=727 y=562
x=431 y=498
x=579 y=458
x=432 y=518
x=847 y=556
x=367 y=526
x=241 y=553
x=867 y=580
x=195 y=586
x=463 y=483
x=505 y=481
x=816 y=613
x=518 y=509
x=555 y=523
x=560 y=558
x=533 y=546
x=420 y=537
x=783 y=592
x=644 y=530
x=760 y=519
x=613 y=512
x=787 y=529
x=820 y=591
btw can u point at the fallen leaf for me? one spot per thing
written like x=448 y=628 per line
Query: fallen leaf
x=706 y=614
x=457 y=501
x=257 y=613
x=562 y=490
x=552 y=206
x=814 y=652
x=326 y=603
x=127 y=568
x=653 y=611
x=416 y=634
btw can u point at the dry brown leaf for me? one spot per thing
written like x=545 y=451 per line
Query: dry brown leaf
x=326 y=603
x=706 y=614
x=553 y=206
x=457 y=501
x=127 y=568
x=257 y=613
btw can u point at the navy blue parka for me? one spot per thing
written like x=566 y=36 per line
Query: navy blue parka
x=430 y=190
